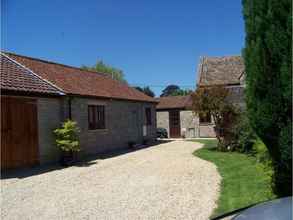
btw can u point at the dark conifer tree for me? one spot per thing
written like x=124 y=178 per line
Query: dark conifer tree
x=268 y=64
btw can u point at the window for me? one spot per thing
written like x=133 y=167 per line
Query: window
x=148 y=116
x=96 y=117
x=205 y=118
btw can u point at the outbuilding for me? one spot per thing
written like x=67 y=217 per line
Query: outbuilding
x=38 y=95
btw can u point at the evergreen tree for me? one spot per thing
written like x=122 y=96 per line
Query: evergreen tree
x=268 y=54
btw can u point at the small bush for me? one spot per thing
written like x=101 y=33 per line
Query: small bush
x=243 y=135
x=67 y=138
x=215 y=102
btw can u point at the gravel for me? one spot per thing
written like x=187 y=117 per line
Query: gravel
x=161 y=182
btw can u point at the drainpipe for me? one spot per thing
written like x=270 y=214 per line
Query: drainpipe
x=69 y=108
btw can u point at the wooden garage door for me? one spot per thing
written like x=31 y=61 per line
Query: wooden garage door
x=19 y=132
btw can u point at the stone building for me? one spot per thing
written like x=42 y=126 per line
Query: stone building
x=38 y=95
x=174 y=112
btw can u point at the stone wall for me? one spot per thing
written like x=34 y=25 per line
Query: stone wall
x=49 y=117
x=188 y=124
x=237 y=96
x=124 y=123
x=207 y=130
x=163 y=120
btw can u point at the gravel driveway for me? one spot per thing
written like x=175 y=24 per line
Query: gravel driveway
x=161 y=182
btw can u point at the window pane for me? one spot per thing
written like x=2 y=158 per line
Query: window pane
x=96 y=117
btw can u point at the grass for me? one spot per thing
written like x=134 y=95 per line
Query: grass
x=244 y=180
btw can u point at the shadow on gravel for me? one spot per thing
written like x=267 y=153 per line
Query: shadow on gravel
x=29 y=171
x=117 y=153
x=84 y=162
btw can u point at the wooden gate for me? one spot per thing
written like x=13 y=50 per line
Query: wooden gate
x=19 y=132
x=174 y=124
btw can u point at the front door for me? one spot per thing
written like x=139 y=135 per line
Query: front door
x=174 y=123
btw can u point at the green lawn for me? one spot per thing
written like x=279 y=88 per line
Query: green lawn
x=244 y=180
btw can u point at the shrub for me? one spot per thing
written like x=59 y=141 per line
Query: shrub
x=67 y=138
x=215 y=101
x=243 y=135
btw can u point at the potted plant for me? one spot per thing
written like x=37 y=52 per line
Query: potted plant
x=67 y=140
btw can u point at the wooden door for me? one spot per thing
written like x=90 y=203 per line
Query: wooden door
x=174 y=124
x=19 y=132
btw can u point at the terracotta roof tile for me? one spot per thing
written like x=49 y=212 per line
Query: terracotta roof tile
x=15 y=77
x=174 y=102
x=77 y=81
x=220 y=70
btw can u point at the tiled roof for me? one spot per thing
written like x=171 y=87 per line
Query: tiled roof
x=225 y=70
x=174 y=102
x=16 y=78
x=76 y=81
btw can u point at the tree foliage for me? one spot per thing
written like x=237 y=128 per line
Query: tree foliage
x=67 y=138
x=174 y=90
x=146 y=90
x=215 y=101
x=101 y=67
x=268 y=64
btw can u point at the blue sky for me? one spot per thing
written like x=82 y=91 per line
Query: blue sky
x=154 y=42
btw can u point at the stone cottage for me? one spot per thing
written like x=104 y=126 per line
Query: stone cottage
x=38 y=95
x=174 y=112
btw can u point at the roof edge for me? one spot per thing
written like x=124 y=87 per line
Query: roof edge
x=53 y=62
x=61 y=92
x=8 y=54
